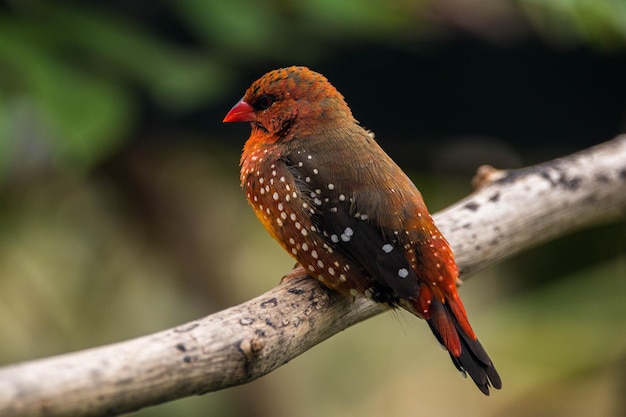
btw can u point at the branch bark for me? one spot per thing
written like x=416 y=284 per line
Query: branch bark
x=509 y=212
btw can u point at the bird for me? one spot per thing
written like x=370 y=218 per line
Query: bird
x=323 y=188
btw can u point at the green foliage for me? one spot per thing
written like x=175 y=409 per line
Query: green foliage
x=80 y=113
x=239 y=27
x=599 y=22
x=75 y=69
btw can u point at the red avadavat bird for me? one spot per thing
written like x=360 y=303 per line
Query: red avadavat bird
x=335 y=201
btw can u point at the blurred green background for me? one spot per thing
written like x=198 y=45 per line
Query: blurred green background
x=121 y=214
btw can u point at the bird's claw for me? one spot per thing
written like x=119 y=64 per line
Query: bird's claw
x=297 y=271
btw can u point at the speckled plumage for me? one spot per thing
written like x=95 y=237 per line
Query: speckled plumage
x=334 y=200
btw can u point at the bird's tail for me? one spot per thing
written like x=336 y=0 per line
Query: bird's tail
x=449 y=324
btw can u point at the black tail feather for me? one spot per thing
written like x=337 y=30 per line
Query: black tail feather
x=473 y=359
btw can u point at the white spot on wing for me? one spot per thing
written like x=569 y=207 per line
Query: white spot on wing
x=347 y=234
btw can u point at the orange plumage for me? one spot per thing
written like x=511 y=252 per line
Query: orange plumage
x=335 y=201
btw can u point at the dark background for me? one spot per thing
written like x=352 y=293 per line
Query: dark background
x=121 y=213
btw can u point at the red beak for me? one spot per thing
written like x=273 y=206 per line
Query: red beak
x=241 y=112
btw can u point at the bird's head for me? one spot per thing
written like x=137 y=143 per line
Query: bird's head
x=289 y=102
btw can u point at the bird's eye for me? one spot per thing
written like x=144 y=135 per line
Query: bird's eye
x=264 y=101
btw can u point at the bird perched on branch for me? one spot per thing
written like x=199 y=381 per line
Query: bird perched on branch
x=335 y=201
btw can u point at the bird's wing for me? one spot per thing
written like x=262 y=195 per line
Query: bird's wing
x=378 y=253
x=356 y=235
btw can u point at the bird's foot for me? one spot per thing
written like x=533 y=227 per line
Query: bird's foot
x=297 y=271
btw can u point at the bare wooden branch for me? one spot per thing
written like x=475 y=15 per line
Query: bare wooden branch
x=511 y=211
x=514 y=210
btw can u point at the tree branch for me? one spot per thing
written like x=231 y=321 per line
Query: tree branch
x=510 y=211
